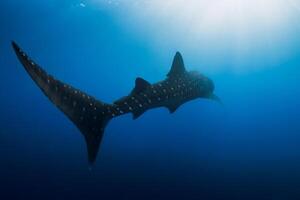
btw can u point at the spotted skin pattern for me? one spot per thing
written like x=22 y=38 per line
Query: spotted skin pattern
x=91 y=116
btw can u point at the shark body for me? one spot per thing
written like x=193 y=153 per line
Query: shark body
x=91 y=116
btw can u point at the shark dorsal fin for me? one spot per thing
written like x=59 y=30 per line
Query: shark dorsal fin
x=140 y=85
x=177 y=66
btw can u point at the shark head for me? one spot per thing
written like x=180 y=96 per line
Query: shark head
x=199 y=85
x=203 y=86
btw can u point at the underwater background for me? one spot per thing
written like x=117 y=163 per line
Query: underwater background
x=247 y=148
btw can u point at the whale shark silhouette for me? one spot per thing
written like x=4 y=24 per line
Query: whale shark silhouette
x=91 y=116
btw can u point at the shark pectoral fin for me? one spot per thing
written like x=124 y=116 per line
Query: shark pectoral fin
x=215 y=98
x=173 y=107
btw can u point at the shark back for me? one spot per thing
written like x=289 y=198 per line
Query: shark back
x=172 y=92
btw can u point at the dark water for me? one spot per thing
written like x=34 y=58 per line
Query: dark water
x=246 y=149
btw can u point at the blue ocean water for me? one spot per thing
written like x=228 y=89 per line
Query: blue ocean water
x=247 y=148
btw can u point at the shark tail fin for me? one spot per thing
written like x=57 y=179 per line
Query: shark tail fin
x=88 y=114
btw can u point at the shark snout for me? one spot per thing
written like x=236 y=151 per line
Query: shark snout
x=210 y=85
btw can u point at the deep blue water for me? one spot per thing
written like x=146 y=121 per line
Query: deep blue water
x=247 y=149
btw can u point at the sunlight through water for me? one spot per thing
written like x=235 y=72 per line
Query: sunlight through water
x=233 y=28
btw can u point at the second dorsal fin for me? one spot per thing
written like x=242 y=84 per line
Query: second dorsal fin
x=177 y=66
x=140 y=85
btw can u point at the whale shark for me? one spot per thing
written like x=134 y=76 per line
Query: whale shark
x=91 y=116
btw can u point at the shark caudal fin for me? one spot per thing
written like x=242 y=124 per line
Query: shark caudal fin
x=88 y=114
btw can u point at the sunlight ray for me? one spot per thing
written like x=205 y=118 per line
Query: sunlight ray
x=235 y=27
